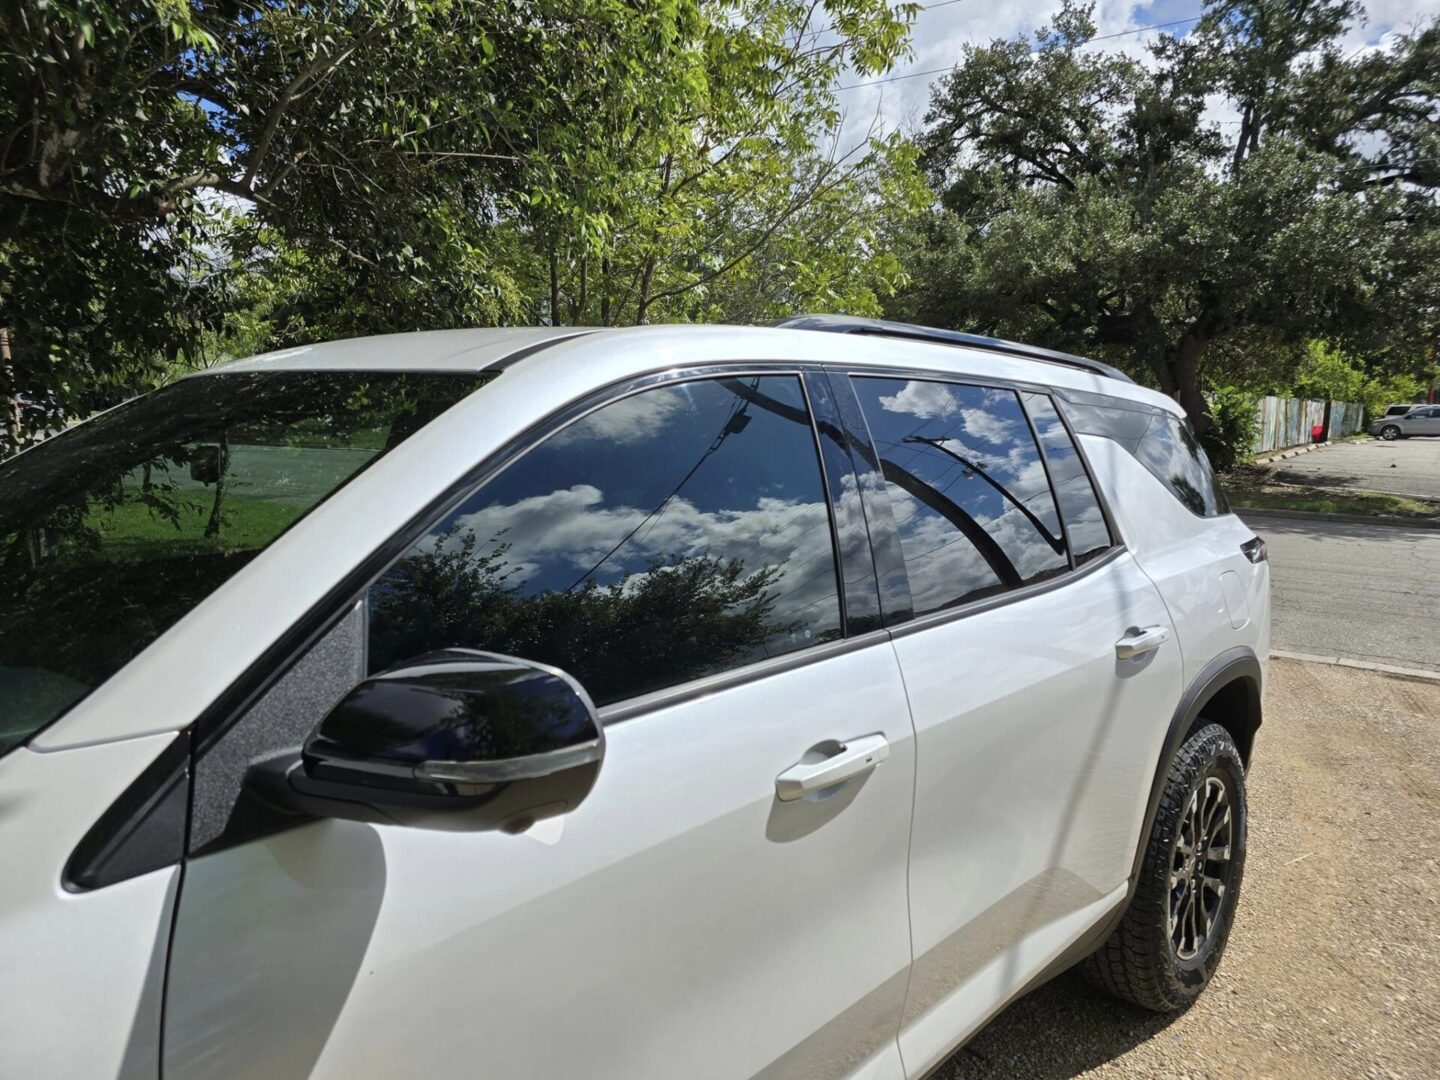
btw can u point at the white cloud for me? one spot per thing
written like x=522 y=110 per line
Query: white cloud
x=571 y=530
x=923 y=400
x=983 y=424
x=630 y=420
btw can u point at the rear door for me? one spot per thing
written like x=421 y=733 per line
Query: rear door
x=1036 y=739
x=676 y=551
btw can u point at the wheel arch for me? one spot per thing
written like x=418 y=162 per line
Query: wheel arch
x=1226 y=692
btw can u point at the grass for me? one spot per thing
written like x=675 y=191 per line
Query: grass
x=133 y=531
x=1324 y=501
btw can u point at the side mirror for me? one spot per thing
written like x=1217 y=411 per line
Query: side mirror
x=457 y=739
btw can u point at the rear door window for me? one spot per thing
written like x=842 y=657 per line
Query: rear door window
x=971 y=498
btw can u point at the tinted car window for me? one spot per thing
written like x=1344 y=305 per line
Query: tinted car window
x=1085 y=527
x=112 y=532
x=972 y=504
x=1161 y=441
x=673 y=534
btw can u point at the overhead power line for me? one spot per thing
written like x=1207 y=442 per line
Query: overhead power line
x=937 y=71
x=826 y=29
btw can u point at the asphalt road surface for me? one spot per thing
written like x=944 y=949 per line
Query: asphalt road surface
x=1333 y=968
x=1351 y=590
x=1368 y=465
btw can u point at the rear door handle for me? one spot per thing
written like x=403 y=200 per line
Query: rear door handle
x=855 y=757
x=1139 y=642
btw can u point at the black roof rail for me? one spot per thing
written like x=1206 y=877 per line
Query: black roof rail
x=849 y=324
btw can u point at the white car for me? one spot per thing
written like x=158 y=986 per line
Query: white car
x=672 y=701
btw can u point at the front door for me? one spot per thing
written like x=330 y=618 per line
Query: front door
x=674 y=551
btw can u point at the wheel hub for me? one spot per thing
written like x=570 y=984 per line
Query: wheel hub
x=1199 y=867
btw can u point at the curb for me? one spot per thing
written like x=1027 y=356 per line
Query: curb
x=1354 y=519
x=1294 y=451
x=1417 y=674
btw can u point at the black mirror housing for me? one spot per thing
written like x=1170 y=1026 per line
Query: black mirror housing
x=456 y=739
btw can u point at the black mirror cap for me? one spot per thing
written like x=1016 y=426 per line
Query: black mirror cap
x=456 y=739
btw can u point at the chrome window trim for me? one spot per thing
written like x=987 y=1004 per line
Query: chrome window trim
x=680 y=693
x=656 y=700
x=1014 y=596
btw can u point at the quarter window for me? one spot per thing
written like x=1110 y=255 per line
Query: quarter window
x=972 y=504
x=673 y=534
x=1162 y=442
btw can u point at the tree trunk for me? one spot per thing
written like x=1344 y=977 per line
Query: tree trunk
x=582 y=302
x=8 y=401
x=554 y=288
x=642 y=303
x=1184 y=377
x=212 y=527
x=605 y=290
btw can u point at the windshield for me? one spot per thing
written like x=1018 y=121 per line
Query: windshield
x=111 y=532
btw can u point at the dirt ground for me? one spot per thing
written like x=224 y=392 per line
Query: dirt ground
x=1333 y=969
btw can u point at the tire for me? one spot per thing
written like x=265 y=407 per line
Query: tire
x=1144 y=961
x=1389 y=433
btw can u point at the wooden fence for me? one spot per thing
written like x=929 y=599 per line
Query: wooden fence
x=1285 y=422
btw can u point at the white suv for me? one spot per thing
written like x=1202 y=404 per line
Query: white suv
x=672 y=701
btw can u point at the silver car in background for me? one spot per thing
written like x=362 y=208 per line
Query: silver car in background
x=1420 y=420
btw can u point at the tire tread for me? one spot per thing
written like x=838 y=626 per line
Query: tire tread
x=1129 y=965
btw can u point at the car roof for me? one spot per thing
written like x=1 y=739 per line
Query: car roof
x=630 y=351
x=423 y=350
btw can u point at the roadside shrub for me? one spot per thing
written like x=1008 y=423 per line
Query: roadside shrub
x=1382 y=391
x=1233 y=427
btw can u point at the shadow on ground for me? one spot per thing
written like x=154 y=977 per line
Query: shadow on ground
x=1055 y=1032
x=1341 y=482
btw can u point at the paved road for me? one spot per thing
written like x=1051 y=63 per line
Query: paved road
x=1365 y=592
x=1333 y=969
x=1368 y=464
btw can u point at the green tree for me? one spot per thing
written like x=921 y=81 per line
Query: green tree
x=1088 y=203
x=173 y=172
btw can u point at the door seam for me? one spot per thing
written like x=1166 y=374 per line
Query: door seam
x=909 y=849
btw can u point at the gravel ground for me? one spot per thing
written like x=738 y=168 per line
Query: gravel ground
x=1333 y=969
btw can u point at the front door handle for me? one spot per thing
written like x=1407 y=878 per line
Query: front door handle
x=853 y=758
x=1139 y=642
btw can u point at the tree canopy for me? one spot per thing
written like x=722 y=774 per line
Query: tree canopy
x=1089 y=203
x=175 y=169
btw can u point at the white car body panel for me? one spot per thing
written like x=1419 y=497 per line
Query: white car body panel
x=83 y=970
x=679 y=902
x=1185 y=556
x=1036 y=755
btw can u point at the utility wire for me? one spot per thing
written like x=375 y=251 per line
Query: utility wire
x=826 y=29
x=726 y=430
x=938 y=71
